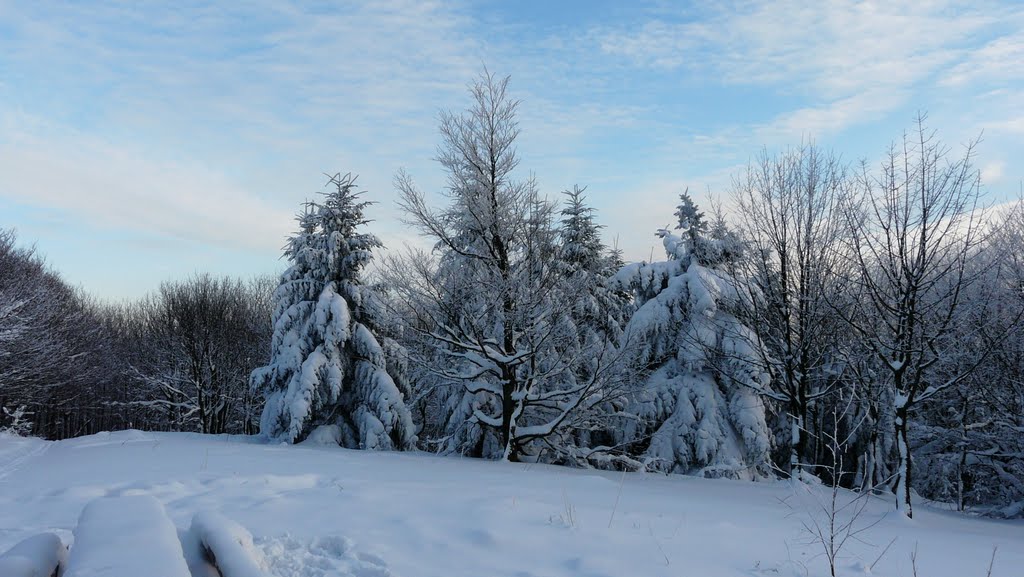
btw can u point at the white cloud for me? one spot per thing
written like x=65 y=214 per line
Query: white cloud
x=999 y=61
x=836 y=45
x=833 y=117
x=101 y=184
x=258 y=97
x=992 y=173
x=1015 y=125
x=216 y=118
x=212 y=116
x=659 y=44
x=851 y=60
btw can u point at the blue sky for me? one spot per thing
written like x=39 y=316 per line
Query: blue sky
x=145 y=141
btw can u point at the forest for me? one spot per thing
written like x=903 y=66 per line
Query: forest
x=857 y=323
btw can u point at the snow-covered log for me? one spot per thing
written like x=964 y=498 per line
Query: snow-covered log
x=38 y=556
x=228 y=546
x=122 y=536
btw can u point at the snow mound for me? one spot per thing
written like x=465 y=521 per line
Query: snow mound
x=229 y=545
x=37 y=556
x=127 y=535
x=324 y=435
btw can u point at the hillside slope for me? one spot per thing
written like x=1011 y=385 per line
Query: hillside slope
x=329 y=511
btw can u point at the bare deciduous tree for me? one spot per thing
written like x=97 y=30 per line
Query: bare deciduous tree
x=54 y=350
x=912 y=228
x=493 y=313
x=201 y=338
x=788 y=208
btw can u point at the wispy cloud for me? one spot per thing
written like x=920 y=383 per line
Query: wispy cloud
x=831 y=117
x=1011 y=125
x=1000 y=61
x=238 y=99
x=111 y=187
x=212 y=122
x=207 y=112
x=851 y=59
x=832 y=66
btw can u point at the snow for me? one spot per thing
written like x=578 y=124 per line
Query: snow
x=36 y=556
x=126 y=533
x=324 y=435
x=228 y=545
x=326 y=511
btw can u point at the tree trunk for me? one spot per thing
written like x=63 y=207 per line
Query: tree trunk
x=797 y=442
x=509 y=412
x=903 y=477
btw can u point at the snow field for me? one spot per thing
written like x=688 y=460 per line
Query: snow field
x=323 y=511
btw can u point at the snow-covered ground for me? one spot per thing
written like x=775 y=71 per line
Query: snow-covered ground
x=317 y=510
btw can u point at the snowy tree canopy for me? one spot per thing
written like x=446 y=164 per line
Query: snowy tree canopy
x=698 y=412
x=504 y=363
x=590 y=264
x=689 y=218
x=327 y=367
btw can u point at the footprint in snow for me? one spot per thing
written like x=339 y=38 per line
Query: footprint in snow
x=321 y=557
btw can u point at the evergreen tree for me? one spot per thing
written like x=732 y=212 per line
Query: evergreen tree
x=327 y=367
x=590 y=264
x=689 y=218
x=581 y=239
x=597 y=316
x=698 y=411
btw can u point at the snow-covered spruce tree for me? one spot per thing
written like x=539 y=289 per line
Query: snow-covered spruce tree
x=599 y=313
x=689 y=218
x=586 y=259
x=327 y=367
x=492 y=305
x=698 y=412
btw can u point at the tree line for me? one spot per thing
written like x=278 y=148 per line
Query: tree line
x=859 y=314
x=174 y=360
